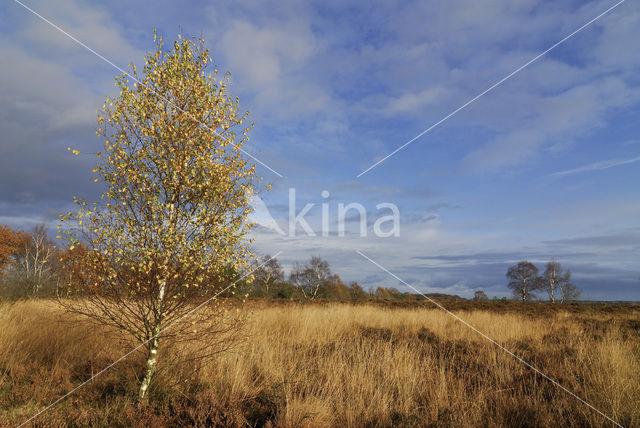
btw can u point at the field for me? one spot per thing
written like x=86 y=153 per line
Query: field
x=335 y=364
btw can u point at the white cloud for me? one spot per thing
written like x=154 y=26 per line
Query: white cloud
x=262 y=54
x=89 y=23
x=553 y=121
x=414 y=102
x=43 y=91
x=270 y=60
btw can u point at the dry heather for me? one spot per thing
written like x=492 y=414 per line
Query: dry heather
x=334 y=365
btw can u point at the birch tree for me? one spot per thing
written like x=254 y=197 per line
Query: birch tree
x=32 y=265
x=524 y=280
x=174 y=212
x=552 y=277
x=568 y=290
x=35 y=265
x=558 y=280
x=268 y=275
x=310 y=277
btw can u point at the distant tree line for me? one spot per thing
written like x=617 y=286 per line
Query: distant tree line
x=32 y=266
x=525 y=280
x=313 y=280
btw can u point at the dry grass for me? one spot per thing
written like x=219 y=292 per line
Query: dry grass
x=335 y=365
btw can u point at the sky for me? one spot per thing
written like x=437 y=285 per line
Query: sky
x=545 y=165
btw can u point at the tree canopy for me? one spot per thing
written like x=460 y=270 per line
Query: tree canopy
x=524 y=280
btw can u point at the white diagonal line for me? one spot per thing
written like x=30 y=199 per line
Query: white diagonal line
x=498 y=83
x=140 y=83
x=598 y=166
x=147 y=341
x=554 y=382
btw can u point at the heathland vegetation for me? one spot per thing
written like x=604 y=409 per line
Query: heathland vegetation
x=335 y=364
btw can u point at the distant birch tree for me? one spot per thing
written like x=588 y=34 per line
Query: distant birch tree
x=524 y=280
x=174 y=218
x=267 y=276
x=568 y=291
x=551 y=276
x=556 y=279
x=310 y=277
x=35 y=264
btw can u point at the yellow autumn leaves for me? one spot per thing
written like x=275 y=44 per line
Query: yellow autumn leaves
x=176 y=192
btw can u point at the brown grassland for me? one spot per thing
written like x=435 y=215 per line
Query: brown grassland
x=336 y=364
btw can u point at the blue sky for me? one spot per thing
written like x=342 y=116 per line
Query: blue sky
x=545 y=165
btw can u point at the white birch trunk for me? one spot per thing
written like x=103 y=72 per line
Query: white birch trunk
x=552 y=289
x=152 y=359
